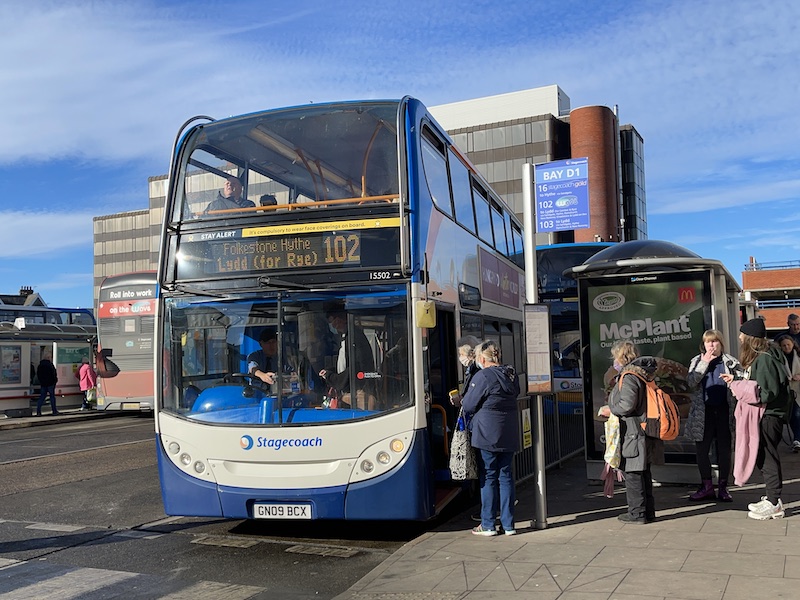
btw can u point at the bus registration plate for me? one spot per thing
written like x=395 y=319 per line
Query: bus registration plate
x=282 y=511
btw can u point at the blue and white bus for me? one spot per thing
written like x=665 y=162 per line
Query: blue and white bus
x=344 y=247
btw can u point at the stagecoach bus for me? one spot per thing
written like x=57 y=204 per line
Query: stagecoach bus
x=126 y=314
x=318 y=266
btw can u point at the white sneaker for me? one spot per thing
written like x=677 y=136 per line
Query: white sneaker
x=795 y=446
x=773 y=511
x=758 y=506
x=510 y=532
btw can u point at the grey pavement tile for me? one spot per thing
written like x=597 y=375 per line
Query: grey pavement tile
x=741 y=524
x=629 y=536
x=671 y=522
x=562 y=554
x=641 y=558
x=690 y=586
x=734 y=563
x=583 y=596
x=477 y=572
x=481 y=548
x=456 y=581
x=413 y=576
x=770 y=544
x=493 y=595
x=542 y=581
x=792 y=568
x=559 y=534
x=562 y=575
x=694 y=541
x=748 y=588
x=520 y=572
x=498 y=580
x=594 y=579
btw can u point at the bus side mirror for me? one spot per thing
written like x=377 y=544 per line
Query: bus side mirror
x=426 y=314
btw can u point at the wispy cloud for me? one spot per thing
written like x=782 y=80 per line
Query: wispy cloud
x=29 y=234
x=743 y=193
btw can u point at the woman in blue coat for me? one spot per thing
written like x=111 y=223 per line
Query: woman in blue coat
x=491 y=401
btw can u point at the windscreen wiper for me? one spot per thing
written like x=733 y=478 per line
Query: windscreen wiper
x=276 y=283
x=179 y=287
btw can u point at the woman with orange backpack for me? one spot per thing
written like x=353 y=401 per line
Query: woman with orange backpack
x=628 y=400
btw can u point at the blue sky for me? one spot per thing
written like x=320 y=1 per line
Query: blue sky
x=92 y=94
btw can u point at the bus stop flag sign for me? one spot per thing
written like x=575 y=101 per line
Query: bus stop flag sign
x=562 y=195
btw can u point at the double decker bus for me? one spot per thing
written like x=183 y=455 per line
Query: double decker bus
x=126 y=314
x=355 y=246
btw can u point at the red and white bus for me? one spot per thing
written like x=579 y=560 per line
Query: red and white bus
x=126 y=316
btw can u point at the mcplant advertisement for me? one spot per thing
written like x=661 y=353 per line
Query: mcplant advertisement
x=665 y=318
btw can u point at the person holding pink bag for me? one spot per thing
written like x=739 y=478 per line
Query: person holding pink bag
x=87 y=380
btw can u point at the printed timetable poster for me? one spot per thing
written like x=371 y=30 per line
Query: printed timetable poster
x=665 y=315
x=561 y=193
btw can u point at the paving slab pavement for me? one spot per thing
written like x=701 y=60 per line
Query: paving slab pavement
x=693 y=551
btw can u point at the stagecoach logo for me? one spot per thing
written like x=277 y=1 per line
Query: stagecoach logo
x=248 y=443
x=609 y=301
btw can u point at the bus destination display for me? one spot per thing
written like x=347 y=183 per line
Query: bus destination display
x=292 y=247
x=287 y=253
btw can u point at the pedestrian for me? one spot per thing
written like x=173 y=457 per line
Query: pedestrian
x=711 y=414
x=791 y=357
x=628 y=401
x=466 y=358
x=87 y=381
x=762 y=362
x=48 y=378
x=792 y=328
x=491 y=404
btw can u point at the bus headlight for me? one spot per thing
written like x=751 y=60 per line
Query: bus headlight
x=185 y=459
x=381 y=457
x=174 y=447
x=199 y=467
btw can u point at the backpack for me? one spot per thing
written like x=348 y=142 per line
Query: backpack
x=662 y=420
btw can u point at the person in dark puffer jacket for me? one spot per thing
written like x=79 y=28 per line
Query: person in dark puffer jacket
x=629 y=402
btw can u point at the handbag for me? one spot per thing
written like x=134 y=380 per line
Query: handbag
x=463 y=464
x=91 y=394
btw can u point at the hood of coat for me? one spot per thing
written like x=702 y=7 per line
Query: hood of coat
x=644 y=366
x=506 y=376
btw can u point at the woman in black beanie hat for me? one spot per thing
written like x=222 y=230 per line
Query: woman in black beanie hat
x=762 y=361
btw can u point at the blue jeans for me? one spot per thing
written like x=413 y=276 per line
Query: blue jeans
x=794 y=422
x=496 y=480
x=47 y=389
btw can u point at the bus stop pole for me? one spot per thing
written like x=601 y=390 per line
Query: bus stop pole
x=531 y=292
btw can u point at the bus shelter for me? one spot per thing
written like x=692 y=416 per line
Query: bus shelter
x=23 y=345
x=662 y=297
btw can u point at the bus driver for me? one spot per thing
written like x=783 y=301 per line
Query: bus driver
x=263 y=365
x=230 y=196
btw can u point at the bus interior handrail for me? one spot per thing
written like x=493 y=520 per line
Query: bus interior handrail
x=389 y=198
